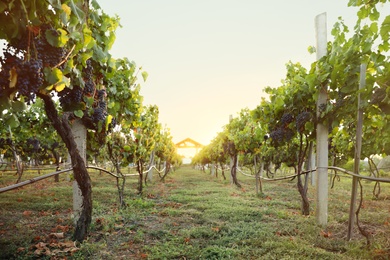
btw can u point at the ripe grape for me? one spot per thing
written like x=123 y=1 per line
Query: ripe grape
x=301 y=120
x=99 y=114
x=277 y=135
x=286 y=119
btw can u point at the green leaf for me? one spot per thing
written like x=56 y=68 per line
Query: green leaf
x=279 y=102
x=145 y=75
x=57 y=38
x=385 y=29
x=77 y=11
x=79 y=113
x=108 y=121
x=374 y=27
x=99 y=54
x=53 y=75
x=95 y=4
x=374 y=15
x=111 y=104
x=12 y=121
x=18 y=106
x=5 y=103
x=110 y=41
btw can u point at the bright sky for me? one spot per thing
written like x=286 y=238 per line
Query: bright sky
x=208 y=59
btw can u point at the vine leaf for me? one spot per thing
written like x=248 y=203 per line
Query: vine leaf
x=12 y=121
x=385 y=29
x=57 y=38
x=79 y=113
x=145 y=75
x=18 y=106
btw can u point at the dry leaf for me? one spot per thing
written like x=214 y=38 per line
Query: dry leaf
x=57 y=235
x=216 y=229
x=27 y=213
x=13 y=77
x=326 y=233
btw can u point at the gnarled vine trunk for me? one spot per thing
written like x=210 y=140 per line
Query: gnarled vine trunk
x=233 y=171
x=140 y=169
x=302 y=188
x=222 y=171
x=79 y=168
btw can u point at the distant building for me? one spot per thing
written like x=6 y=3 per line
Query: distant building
x=188 y=148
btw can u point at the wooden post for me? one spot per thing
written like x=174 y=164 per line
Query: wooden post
x=322 y=131
x=80 y=136
x=358 y=149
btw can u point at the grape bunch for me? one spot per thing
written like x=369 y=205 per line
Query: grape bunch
x=5 y=141
x=69 y=98
x=378 y=96
x=301 y=120
x=89 y=84
x=51 y=56
x=286 y=119
x=23 y=61
x=99 y=114
x=34 y=143
x=28 y=75
x=281 y=135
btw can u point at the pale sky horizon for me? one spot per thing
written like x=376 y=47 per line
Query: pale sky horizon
x=209 y=59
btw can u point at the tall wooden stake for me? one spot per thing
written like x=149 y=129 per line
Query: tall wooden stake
x=358 y=149
x=322 y=131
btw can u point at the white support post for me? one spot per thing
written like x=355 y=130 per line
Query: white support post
x=80 y=136
x=322 y=131
x=212 y=169
x=151 y=162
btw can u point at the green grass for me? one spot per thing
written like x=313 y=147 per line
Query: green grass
x=190 y=216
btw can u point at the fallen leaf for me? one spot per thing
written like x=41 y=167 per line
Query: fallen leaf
x=67 y=244
x=57 y=235
x=326 y=233
x=63 y=228
x=40 y=245
x=27 y=213
x=216 y=229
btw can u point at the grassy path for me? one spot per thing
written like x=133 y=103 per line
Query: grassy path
x=191 y=216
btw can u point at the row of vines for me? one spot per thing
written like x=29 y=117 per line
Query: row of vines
x=281 y=131
x=56 y=71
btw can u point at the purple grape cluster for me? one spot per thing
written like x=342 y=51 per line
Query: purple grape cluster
x=301 y=120
x=286 y=119
x=89 y=84
x=28 y=75
x=24 y=60
x=281 y=135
